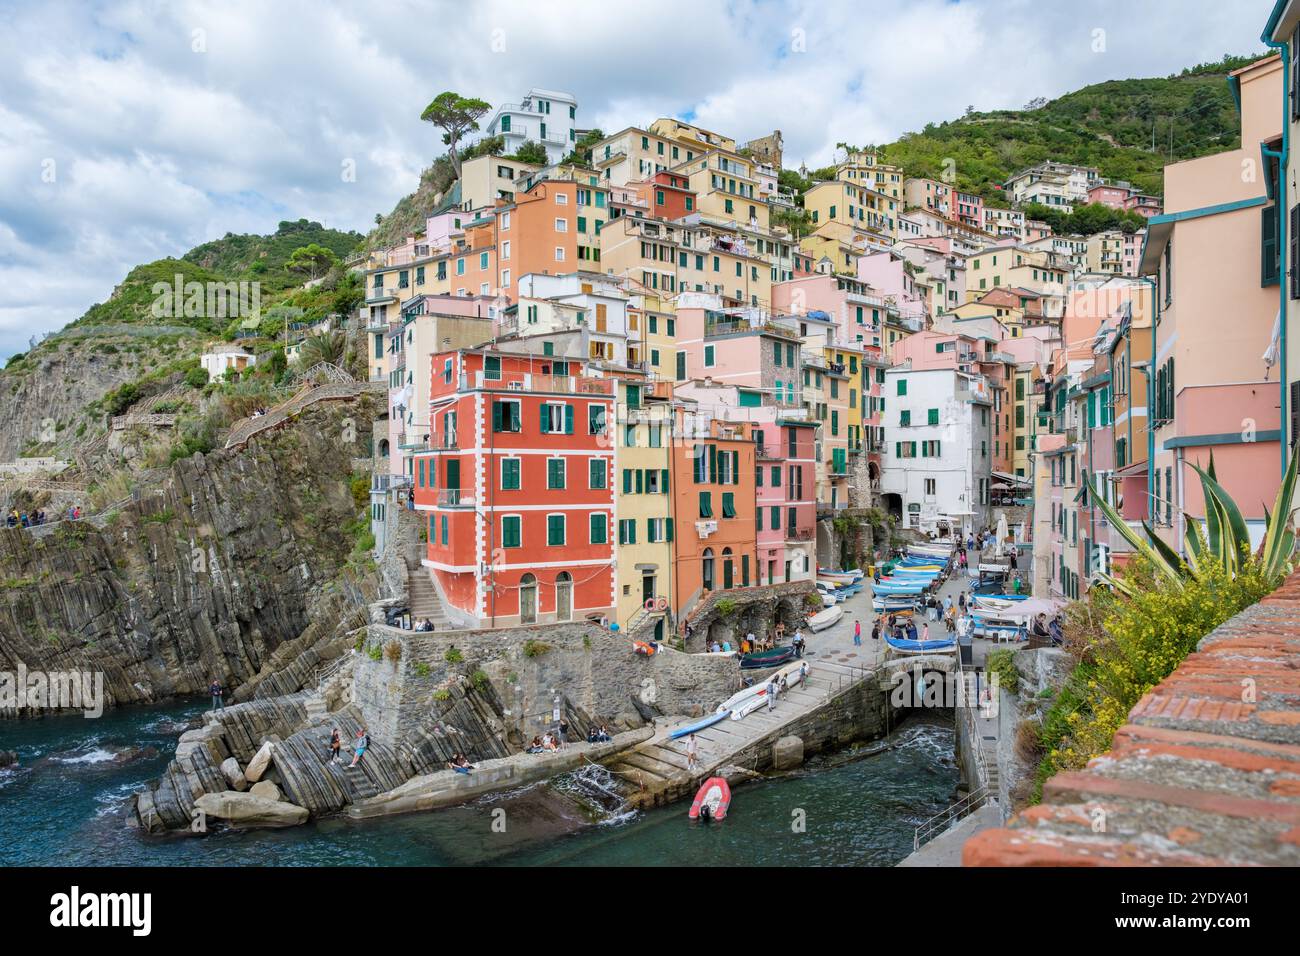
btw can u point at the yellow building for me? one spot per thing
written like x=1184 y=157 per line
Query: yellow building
x=695 y=138
x=633 y=155
x=866 y=169
x=861 y=208
x=1044 y=273
x=1105 y=252
x=643 y=510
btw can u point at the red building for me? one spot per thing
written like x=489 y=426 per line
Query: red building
x=517 y=488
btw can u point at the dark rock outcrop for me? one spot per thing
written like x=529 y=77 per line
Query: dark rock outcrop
x=208 y=576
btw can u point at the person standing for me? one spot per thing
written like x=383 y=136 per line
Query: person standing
x=335 y=743
x=771 y=695
x=857 y=633
x=875 y=630
x=217 y=693
x=692 y=752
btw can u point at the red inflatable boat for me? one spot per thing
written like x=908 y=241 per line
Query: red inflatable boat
x=712 y=800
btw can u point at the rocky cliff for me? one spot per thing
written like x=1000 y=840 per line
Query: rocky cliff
x=49 y=396
x=234 y=557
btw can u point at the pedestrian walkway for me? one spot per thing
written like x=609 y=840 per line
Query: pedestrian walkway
x=659 y=767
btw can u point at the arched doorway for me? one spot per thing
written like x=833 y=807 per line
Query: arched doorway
x=706 y=569
x=893 y=505
x=564 y=596
x=528 y=599
x=383 y=448
x=728 y=578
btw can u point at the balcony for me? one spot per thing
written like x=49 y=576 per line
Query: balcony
x=554 y=384
x=799 y=534
x=454 y=498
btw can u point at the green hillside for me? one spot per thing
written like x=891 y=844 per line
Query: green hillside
x=1107 y=125
x=264 y=258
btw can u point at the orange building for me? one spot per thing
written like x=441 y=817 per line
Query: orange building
x=518 y=489
x=714 y=508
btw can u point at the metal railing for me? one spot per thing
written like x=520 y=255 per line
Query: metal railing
x=945 y=818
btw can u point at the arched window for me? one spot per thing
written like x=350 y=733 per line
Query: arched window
x=706 y=568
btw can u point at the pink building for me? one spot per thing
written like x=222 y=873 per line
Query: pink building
x=968 y=209
x=1107 y=194
x=885 y=273
x=1211 y=387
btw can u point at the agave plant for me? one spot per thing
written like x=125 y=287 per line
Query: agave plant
x=1224 y=538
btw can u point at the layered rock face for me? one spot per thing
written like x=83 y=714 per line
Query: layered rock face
x=236 y=554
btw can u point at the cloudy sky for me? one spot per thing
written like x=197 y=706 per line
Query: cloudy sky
x=132 y=131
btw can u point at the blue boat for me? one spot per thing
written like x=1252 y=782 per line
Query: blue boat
x=898 y=589
x=699 y=725
x=936 y=646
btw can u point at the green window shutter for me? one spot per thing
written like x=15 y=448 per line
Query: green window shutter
x=713 y=464
x=596 y=470
x=668 y=529
x=627 y=481
x=640 y=480
x=728 y=504
x=904 y=417
x=663 y=481
x=555 y=473
x=599 y=532
x=706 y=504
x=510 y=474
x=902 y=386
x=933 y=416
x=555 y=530
x=546 y=418
x=568 y=419
x=510 y=532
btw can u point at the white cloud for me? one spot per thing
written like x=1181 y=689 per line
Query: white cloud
x=170 y=125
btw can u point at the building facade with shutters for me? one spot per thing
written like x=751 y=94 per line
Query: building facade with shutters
x=517 y=488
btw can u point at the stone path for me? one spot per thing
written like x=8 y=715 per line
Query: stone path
x=834 y=663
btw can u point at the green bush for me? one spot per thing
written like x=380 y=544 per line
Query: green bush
x=1002 y=663
x=535 y=648
x=196 y=377
x=453 y=656
x=1132 y=642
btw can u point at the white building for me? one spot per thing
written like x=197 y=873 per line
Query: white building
x=1059 y=185
x=938 y=454
x=219 y=358
x=545 y=116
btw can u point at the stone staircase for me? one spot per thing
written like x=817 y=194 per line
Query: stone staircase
x=423 y=597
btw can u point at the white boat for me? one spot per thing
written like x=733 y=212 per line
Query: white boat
x=793 y=674
x=823 y=620
x=848 y=576
x=830 y=592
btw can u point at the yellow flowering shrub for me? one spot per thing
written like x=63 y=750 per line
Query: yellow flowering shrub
x=1127 y=644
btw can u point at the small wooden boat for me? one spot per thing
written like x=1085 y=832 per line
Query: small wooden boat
x=777 y=655
x=712 y=800
x=946 y=645
x=699 y=725
x=831 y=574
x=823 y=620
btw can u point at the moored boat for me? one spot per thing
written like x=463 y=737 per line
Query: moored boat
x=823 y=620
x=907 y=646
x=777 y=655
x=712 y=800
x=699 y=725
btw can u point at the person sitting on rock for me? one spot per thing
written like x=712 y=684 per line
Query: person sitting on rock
x=536 y=746
x=361 y=743
x=460 y=764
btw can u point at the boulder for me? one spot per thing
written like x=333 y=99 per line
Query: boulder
x=246 y=810
x=233 y=775
x=266 y=790
x=261 y=760
x=787 y=753
x=8 y=758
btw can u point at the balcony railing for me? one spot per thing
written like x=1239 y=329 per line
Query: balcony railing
x=562 y=384
x=455 y=498
x=799 y=534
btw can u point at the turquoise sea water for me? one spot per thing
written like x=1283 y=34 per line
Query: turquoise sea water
x=65 y=807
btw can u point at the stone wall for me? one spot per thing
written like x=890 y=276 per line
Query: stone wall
x=586 y=666
x=756 y=609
